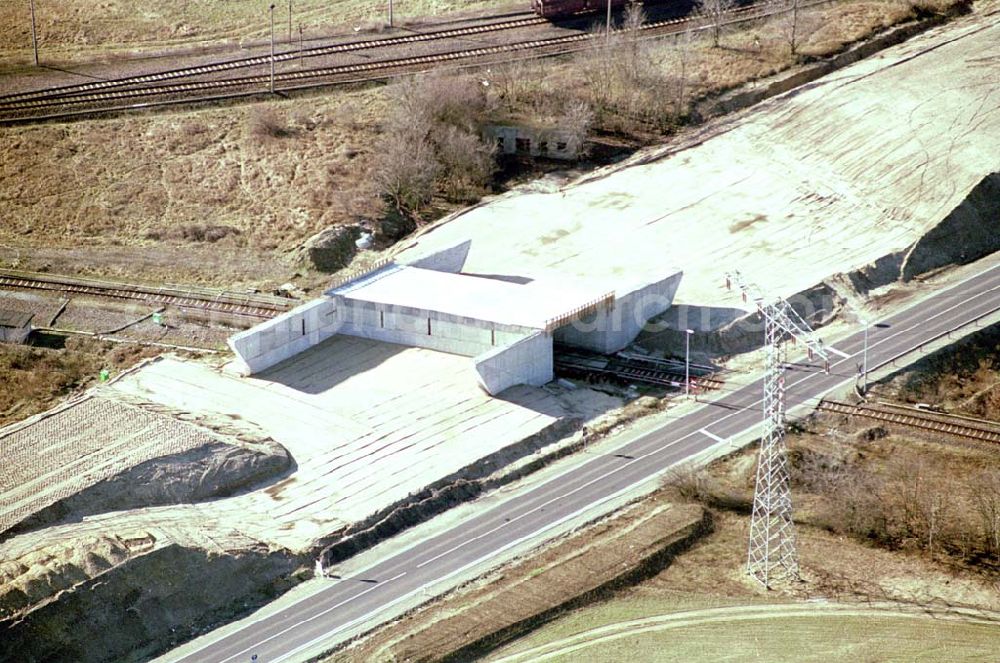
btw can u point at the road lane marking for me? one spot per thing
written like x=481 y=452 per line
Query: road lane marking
x=953 y=291
x=713 y=436
x=639 y=458
x=316 y=616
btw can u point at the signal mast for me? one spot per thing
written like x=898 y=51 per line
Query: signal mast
x=771 y=552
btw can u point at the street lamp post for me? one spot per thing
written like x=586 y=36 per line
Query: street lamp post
x=864 y=354
x=34 y=34
x=272 y=49
x=864 y=362
x=687 y=361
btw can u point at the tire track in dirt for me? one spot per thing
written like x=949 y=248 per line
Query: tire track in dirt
x=687 y=618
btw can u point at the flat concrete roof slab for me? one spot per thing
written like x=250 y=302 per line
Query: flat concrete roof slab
x=524 y=301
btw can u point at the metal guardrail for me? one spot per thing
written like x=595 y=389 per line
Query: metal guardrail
x=919 y=347
x=356 y=274
x=606 y=301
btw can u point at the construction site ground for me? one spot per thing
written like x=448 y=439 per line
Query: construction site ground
x=820 y=182
x=367 y=423
x=857 y=598
x=846 y=170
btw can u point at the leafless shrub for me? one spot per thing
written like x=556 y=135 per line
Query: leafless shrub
x=635 y=17
x=986 y=499
x=432 y=138
x=576 y=121
x=406 y=168
x=194 y=128
x=688 y=482
x=683 y=47
x=695 y=485
x=266 y=123
x=440 y=98
x=715 y=12
x=197 y=232
x=625 y=83
x=512 y=82
x=467 y=163
x=794 y=25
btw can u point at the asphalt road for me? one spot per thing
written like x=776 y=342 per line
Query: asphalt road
x=350 y=602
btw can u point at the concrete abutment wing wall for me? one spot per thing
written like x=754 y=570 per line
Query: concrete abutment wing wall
x=608 y=331
x=285 y=336
x=526 y=361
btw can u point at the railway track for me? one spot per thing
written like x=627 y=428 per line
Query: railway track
x=624 y=367
x=938 y=422
x=155 y=89
x=262 y=60
x=246 y=305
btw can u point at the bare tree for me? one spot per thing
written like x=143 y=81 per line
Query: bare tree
x=986 y=497
x=715 y=11
x=683 y=46
x=577 y=119
x=406 y=169
x=793 y=24
x=432 y=139
x=635 y=17
x=513 y=81
x=466 y=162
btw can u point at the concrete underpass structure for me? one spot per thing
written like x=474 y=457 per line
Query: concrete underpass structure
x=506 y=323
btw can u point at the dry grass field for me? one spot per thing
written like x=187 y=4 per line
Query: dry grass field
x=782 y=634
x=80 y=29
x=224 y=195
x=43 y=376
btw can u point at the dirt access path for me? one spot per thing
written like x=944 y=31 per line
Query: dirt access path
x=964 y=634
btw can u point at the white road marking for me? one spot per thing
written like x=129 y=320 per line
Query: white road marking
x=713 y=436
x=597 y=502
x=316 y=616
x=836 y=351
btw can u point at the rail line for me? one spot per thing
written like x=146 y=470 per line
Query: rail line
x=938 y=422
x=251 y=306
x=254 y=61
x=624 y=367
x=68 y=101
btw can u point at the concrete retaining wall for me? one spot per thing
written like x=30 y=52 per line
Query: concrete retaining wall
x=527 y=361
x=611 y=330
x=424 y=329
x=285 y=336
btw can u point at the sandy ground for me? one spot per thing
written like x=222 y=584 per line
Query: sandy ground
x=78 y=446
x=822 y=180
x=367 y=424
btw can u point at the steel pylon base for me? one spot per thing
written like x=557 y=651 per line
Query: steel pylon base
x=771 y=553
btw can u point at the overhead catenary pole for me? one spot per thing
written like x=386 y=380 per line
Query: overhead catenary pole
x=272 y=49
x=607 y=25
x=390 y=13
x=289 y=21
x=34 y=33
x=864 y=363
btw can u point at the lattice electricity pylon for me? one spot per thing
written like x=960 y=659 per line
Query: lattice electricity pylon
x=771 y=553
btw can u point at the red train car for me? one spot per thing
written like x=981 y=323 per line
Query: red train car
x=556 y=8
